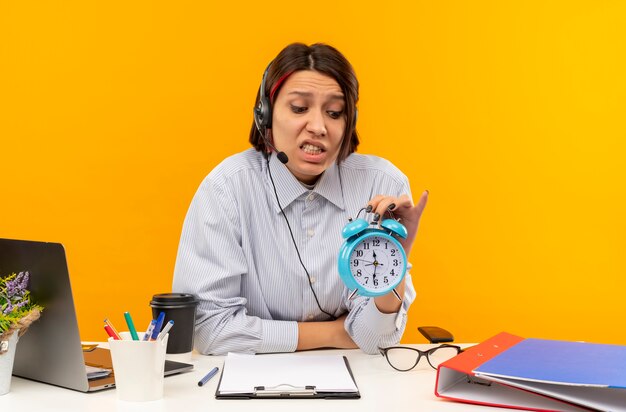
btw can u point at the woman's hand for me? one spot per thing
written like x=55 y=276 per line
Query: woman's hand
x=403 y=210
x=330 y=334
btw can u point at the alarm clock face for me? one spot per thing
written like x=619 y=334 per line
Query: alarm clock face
x=377 y=263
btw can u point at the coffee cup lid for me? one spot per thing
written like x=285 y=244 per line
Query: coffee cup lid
x=173 y=300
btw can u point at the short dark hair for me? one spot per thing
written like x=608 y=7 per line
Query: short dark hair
x=324 y=59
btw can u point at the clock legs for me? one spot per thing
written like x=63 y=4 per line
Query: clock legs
x=353 y=294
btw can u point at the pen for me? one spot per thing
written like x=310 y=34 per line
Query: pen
x=208 y=376
x=111 y=333
x=166 y=329
x=158 y=326
x=131 y=326
x=148 y=334
x=110 y=325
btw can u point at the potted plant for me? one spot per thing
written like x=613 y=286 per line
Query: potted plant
x=17 y=312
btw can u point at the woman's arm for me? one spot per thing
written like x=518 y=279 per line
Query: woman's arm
x=210 y=264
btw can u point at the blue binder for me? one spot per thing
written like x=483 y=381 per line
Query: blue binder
x=588 y=374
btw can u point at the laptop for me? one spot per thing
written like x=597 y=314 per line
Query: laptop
x=51 y=350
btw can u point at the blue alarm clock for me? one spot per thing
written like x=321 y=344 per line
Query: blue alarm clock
x=372 y=262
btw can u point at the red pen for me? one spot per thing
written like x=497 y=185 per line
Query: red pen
x=110 y=332
x=107 y=322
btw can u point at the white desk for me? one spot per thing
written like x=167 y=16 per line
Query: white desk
x=382 y=389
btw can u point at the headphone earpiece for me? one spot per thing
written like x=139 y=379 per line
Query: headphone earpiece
x=263 y=110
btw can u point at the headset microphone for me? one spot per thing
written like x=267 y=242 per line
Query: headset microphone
x=280 y=155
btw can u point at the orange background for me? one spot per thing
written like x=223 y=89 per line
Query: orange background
x=510 y=113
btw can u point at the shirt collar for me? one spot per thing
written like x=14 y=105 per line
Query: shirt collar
x=329 y=186
x=289 y=188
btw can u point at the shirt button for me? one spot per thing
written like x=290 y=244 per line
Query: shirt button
x=311 y=197
x=313 y=279
x=311 y=316
x=310 y=232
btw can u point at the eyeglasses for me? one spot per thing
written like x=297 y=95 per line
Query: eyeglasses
x=404 y=359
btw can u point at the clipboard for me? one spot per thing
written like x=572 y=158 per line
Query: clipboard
x=299 y=363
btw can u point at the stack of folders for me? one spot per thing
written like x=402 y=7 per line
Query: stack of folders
x=537 y=374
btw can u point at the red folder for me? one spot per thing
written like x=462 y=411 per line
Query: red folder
x=456 y=381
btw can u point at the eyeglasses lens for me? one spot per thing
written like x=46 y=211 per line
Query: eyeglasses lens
x=402 y=358
x=440 y=355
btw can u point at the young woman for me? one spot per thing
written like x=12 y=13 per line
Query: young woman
x=261 y=238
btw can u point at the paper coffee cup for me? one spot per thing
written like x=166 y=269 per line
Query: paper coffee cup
x=181 y=308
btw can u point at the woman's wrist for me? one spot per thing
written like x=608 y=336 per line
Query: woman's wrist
x=331 y=334
x=389 y=303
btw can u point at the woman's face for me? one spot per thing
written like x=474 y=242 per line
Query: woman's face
x=308 y=123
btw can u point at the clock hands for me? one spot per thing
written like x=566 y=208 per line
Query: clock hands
x=374 y=264
x=370 y=263
x=374 y=274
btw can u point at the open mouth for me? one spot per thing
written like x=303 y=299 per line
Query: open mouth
x=311 y=149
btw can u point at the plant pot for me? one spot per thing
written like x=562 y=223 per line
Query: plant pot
x=7 y=354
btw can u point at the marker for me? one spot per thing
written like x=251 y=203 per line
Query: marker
x=111 y=333
x=109 y=324
x=131 y=326
x=158 y=326
x=148 y=334
x=208 y=376
x=166 y=329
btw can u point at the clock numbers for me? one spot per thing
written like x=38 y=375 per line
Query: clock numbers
x=372 y=261
x=376 y=264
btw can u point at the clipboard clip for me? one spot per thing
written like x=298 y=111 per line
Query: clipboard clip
x=284 y=390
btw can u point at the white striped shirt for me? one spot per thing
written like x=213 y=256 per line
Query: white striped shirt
x=237 y=257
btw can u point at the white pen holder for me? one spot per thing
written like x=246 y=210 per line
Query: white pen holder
x=138 y=367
